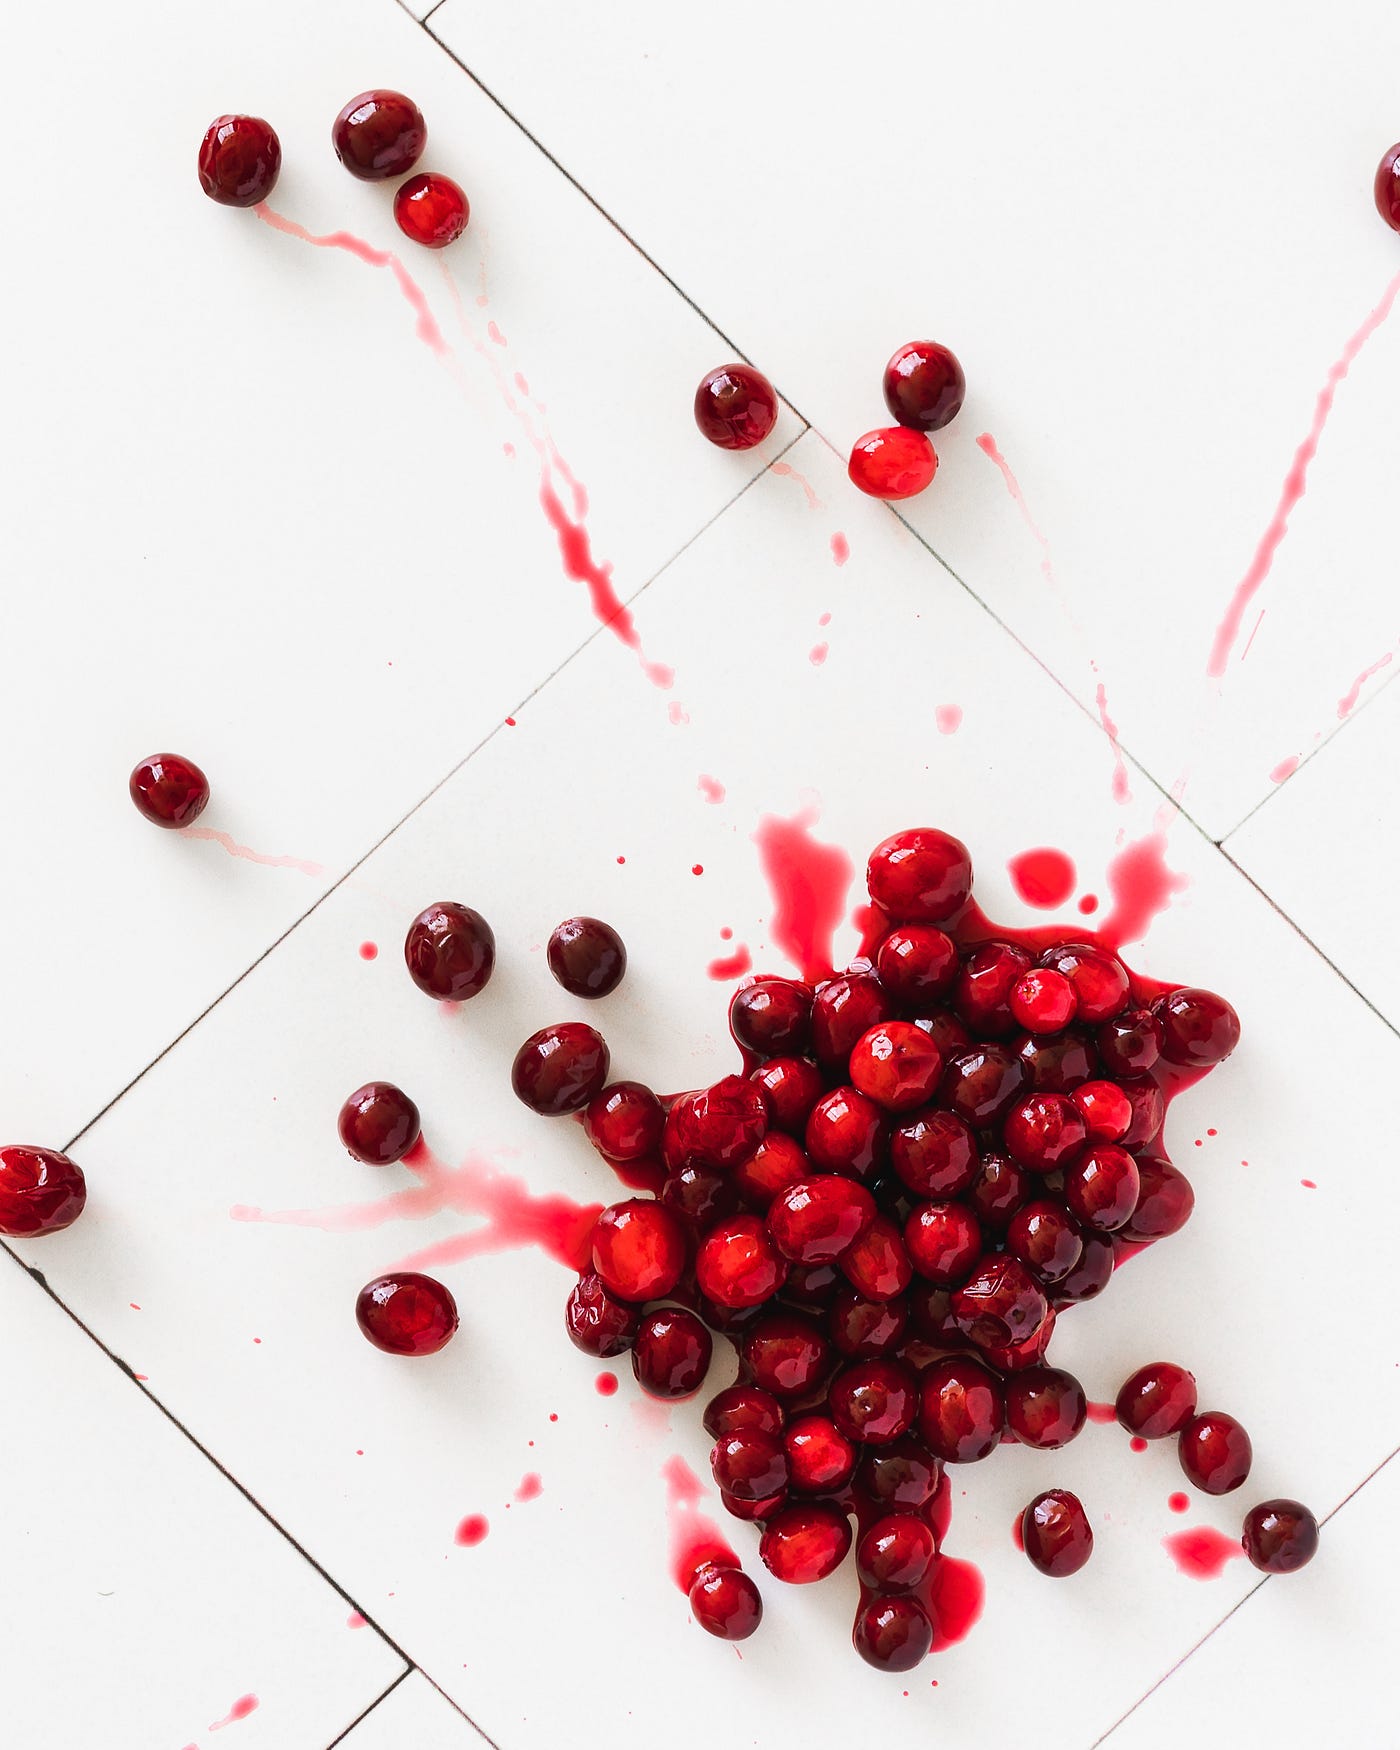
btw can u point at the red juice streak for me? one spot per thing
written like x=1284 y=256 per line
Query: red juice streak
x=1102 y=1413
x=808 y=882
x=1142 y=887
x=1285 y=769
x=1121 y=791
x=1178 y=1502
x=818 y=654
x=840 y=548
x=245 y=1705
x=606 y=1385
x=1043 y=877
x=1201 y=1552
x=471 y=1531
x=530 y=1487
x=369 y=950
x=948 y=718
x=248 y=855
x=1018 y=1537
x=787 y=472
x=695 y=1539
x=1295 y=484
x=496 y=335
x=710 y=788
x=677 y=712
x=1352 y=697
x=1308 y=1184
x=1137 y=1444
x=733 y=965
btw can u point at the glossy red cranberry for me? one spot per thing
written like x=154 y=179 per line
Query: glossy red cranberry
x=431 y=209
x=1131 y=1044
x=947 y=1032
x=239 y=158
x=1388 y=189
x=1001 y=1304
x=638 y=1249
x=598 y=1322
x=1149 y=1108
x=791 y=1086
x=962 y=1410
x=738 y=1407
x=750 y=1465
x=378 y=1124
x=902 y=1475
x=586 y=956
x=751 y=1511
x=1215 y=1452
x=725 y=1602
x=982 y=1085
x=812 y=1286
x=700 y=1196
x=1045 y=1407
x=1100 y=979
x=1280 y=1536
x=1105 y=1109
x=406 y=1314
x=893 y=1634
x=896 y=1553
x=1044 y=1132
x=897 y=1065
x=738 y=1265
x=1165 y=1200
x=805 y=1542
x=717 y=1127
x=1056 y=1534
x=924 y=385
x=624 y=1122
x=862 y=1329
x=1091 y=1275
x=813 y=1222
x=777 y=1163
x=379 y=135
x=1157 y=1400
x=735 y=407
x=921 y=876
x=787 y=1355
x=1101 y=1188
x=999 y=1189
x=1055 y=1066
x=450 y=951
x=944 y=1242
x=918 y=965
x=671 y=1353
x=877 y=1265
x=772 y=1016
x=846 y=1133
x=1046 y=1238
x=1042 y=1001
x=843 y=1010
x=41 y=1191
x=1009 y=1358
x=892 y=462
x=874 y=1401
x=934 y=1153
x=931 y=1316
x=820 y=1458
x=1199 y=1029
x=560 y=1069
x=169 y=790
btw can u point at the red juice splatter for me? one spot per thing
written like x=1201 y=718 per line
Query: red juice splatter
x=1089 y=904
x=245 y=1705
x=726 y=934
x=956 y=1593
x=1043 y=877
x=1142 y=887
x=733 y=965
x=808 y=882
x=787 y=472
x=1308 y=1184
x=695 y=1539
x=510 y=723
x=1018 y=1536
x=711 y=788
x=1211 y=1131
x=840 y=548
x=1351 y=698
x=355 y=1620
x=369 y=950
x=1178 y=1502
x=1137 y=1444
x=248 y=855
x=948 y=718
x=677 y=713
x=1102 y=1413
x=1121 y=791
x=1201 y=1551
x=818 y=654
x=1285 y=768
x=824 y=619
x=496 y=334
x=697 y=868
x=622 y=859
x=606 y=1385
x=530 y=1487
x=471 y=1531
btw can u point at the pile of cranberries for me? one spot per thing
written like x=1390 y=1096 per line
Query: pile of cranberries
x=924 y=388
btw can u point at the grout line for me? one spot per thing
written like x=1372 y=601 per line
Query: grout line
x=366 y=1712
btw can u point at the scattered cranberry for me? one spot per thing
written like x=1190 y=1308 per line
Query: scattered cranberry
x=917 y=964
x=725 y=1602
x=624 y=1122
x=717 y=1127
x=896 y=1553
x=902 y=1475
x=772 y=1016
x=1056 y=1534
x=450 y=951
x=862 y=1329
x=432 y=210
x=379 y=135
x=944 y=1241
x=934 y=1153
x=735 y=407
x=1157 y=1400
x=239 y=158
x=892 y=462
x=786 y=1354
x=1199 y=1029
x=1045 y=1237
x=1000 y=1305
x=41 y=1191
x=1045 y=1407
x=750 y=1465
x=406 y=1314
x=921 y=876
x=846 y=1133
x=671 y=1353
x=983 y=1085
x=820 y=1457
x=586 y=956
x=1388 y=188
x=893 y=1634
x=169 y=790
x=742 y=1406
x=842 y=1011
x=1165 y=1201
x=1044 y=1132
x=877 y=1265
x=874 y=1401
x=1280 y=1536
x=1099 y=979
x=379 y=1124
x=924 y=385
x=638 y=1250
x=962 y=1411
x=1106 y=1111
x=598 y=1322
x=1042 y=1001
x=1131 y=1044
x=1215 y=1452
x=791 y=1086
x=1102 y=1187
x=986 y=980
x=560 y=1069
x=813 y=1222
x=738 y=1265
x=897 y=1065
x=805 y=1543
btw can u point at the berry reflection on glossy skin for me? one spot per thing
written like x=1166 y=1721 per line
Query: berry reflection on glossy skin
x=1045 y=1407
x=820 y=1457
x=1046 y=1239
x=842 y=1011
x=1165 y=1200
x=169 y=790
x=735 y=407
x=725 y=1603
x=717 y=1127
x=379 y=135
x=787 y=1355
x=874 y=1401
x=813 y=1222
x=846 y=1133
x=920 y=876
x=598 y=1322
x=41 y=1191
x=902 y=1475
x=239 y=158
x=1215 y=1452
x=1199 y=1029
x=897 y=1065
x=1056 y=1534
x=1099 y=979
x=1157 y=1400
x=1131 y=1044
x=1106 y=1111
x=982 y=1085
x=586 y=956
x=917 y=964
x=742 y=1406
x=1042 y=1001
x=791 y=1086
x=805 y=1542
x=772 y=1016
x=638 y=1249
x=560 y=1069
x=924 y=385
x=1044 y=1132
x=1280 y=1536
x=896 y=1553
x=934 y=1153
x=944 y=1242
x=738 y=1265
x=1101 y=1188
x=671 y=1353
x=962 y=1410
x=431 y=210
x=406 y=1314
x=750 y=1465
x=892 y=462
x=877 y=1264
x=893 y=1634
x=379 y=1124
x=1001 y=1304
x=624 y=1122
x=450 y=951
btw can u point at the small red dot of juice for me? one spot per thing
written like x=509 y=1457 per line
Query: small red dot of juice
x=1212 y=1133
x=257 y=1339
x=697 y=868
x=1137 y=1443
x=472 y=1530
x=369 y=950
x=622 y=859
x=1178 y=1502
x=510 y=723
x=1089 y=904
x=726 y=934
x=1308 y=1184
x=554 y=1415
x=605 y=1384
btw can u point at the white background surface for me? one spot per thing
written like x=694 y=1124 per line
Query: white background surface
x=250 y=517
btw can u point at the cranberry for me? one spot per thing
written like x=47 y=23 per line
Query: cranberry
x=896 y=1553
x=1044 y=1133
x=813 y=1222
x=239 y=158
x=917 y=964
x=983 y=1085
x=1215 y=1452
x=944 y=1241
x=791 y=1086
x=921 y=876
x=877 y=1265
x=586 y=956
x=378 y=1124
x=739 y=1407
x=718 y=1127
x=1056 y=1534
x=1008 y=1358
x=379 y=135
x=624 y=1122
x=1091 y=1275
x=893 y=1634
x=786 y=1354
x=700 y=1196
x=1055 y=1066
x=41 y=1191
x=671 y=1353
x=598 y=1322
x=432 y=210
x=735 y=407
x=931 y=1315
x=902 y=1475
x=1102 y=1187
x=1199 y=1029
x=1045 y=1407
x=985 y=983
x=1280 y=1536
x=862 y=1329
x=406 y=1314
x=638 y=1250
x=560 y=1069
x=738 y=1265
x=1165 y=1200
x=1100 y=979
x=1001 y=1304
x=1149 y=1108
x=947 y=1032
x=752 y=1510
x=775 y=1164
x=772 y=1016
x=169 y=790
x=805 y=1543
x=1131 y=1044
x=812 y=1286
x=1045 y=1238
x=924 y=385
x=1042 y=1001
x=1388 y=196
x=1157 y=1400
x=846 y=1133
x=874 y=1401
x=725 y=1602
x=897 y=1065
x=998 y=1191
x=934 y=1153
x=1106 y=1110
x=962 y=1411
x=750 y=1465
x=820 y=1457
x=450 y=951
x=892 y=462
x=842 y=1011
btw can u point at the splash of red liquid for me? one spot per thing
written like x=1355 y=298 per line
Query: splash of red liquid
x=1142 y=887
x=957 y=1595
x=695 y=1539
x=245 y=1705
x=530 y=1487
x=1178 y=1502
x=471 y=1531
x=1285 y=769
x=711 y=788
x=818 y=654
x=733 y=965
x=606 y=1385
x=808 y=882
x=1042 y=877
x=369 y=950
x=1201 y=1551
x=1137 y=1444
x=1352 y=697
x=840 y=548
x=948 y=718
x=1102 y=1413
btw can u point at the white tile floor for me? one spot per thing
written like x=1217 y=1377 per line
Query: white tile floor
x=333 y=596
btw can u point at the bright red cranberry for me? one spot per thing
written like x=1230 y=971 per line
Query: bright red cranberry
x=735 y=407
x=1046 y=1239
x=598 y=1322
x=406 y=1314
x=813 y=1222
x=805 y=1543
x=1157 y=1400
x=1165 y=1200
x=1280 y=1536
x=962 y=1410
x=738 y=1265
x=1215 y=1452
x=893 y=1634
x=638 y=1249
x=431 y=209
x=1102 y=1187
x=921 y=876
x=450 y=951
x=1055 y=1066
x=1001 y=1304
x=897 y=1065
x=791 y=1086
x=934 y=1153
x=892 y=462
x=772 y=1016
x=846 y=1133
x=1091 y=1275
x=982 y=1085
x=1199 y=1029
x=169 y=790
x=896 y=1553
x=843 y=1010
x=624 y=1122
x=917 y=964
x=924 y=385
x=725 y=1602
x=1131 y=1044
x=1042 y=1001
x=560 y=1069
x=998 y=1191
x=671 y=1353
x=1149 y=1108
x=750 y=1465
x=1100 y=979
x=1045 y=1407
x=812 y=1286
x=586 y=956
x=902 y=1475
x=774 y=1165
x=1106 y=1110
x=1056 y=1534
x=862 y=1329
x=985 y=983
x=239 y=158
x=944 y=1241
x=739 y=1407
x=877 y=1265
x=820 y=1458
x=379 y=135
x=1044 y=1133
x=700 y=1196
x=717 y=1127
x=786 y=1354
x=874 y=1401
x=41 y=1191
x=378 y=1124
x=1388 y=190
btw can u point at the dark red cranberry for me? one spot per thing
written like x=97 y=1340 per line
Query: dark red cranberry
x=1042 y=1001
x=1055 y=1066
x=842 y=1011
x=738 y=1265
x=378 y=1124
x=751 y=1511
x=902 y=1475
x=239 y=158
x=41 y=1191
x=1008 y=1358
x=432 y=210
x=725 y=1602
x=638 y=1249
x=924 y=385
x=598 y=1322
x=931 y=1316
x=921 y=876
x=1131 y=1044
x=874 y=1401
x=983 y=1085
x=700 y=1196
x=1046 y=1239
x=450 y=951
x=379 y=135
x=560 y=1068
x=805 y=1542
x=743 y=1406
x=1215 y=1452
x=735 y=407
x=877 y=1265
x=671 y=1353
x=947 y=1032
x=1106 y=1110
x=820 y=1458
x=1157 y=1400
x=1091 y=1275
x=791 y=1086
x=750 y=1465
x=917 y=964
x=1101 y=1187
x=1165 y=1200
x=1149 y=1108
x=729 y=1319
x=892 y=462
x=1280 y=1536
x=813 y=1222
x=897 y=1065
x=772 y=1016
x=1388 y=188
x=985 y=983
x=998 y=1191
x=775 y=1164
x=847 y=1133
x=944 y=1242
x=896 y=1553
x=717 y=1127
x=787 y=1354
x=862 y=1329
x=406 y=1314
x=168 y=790
x=1056 y=1534
x=1001 y=1304
x=1045 y=1407
x=1199 y=1029
x=624 y=1122
x=812 y=1286
x=586 y=956
x=934 y=1153
x=1044 y=1132
x=962 y=1410
x=1100 y=979
x=893 y=1634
